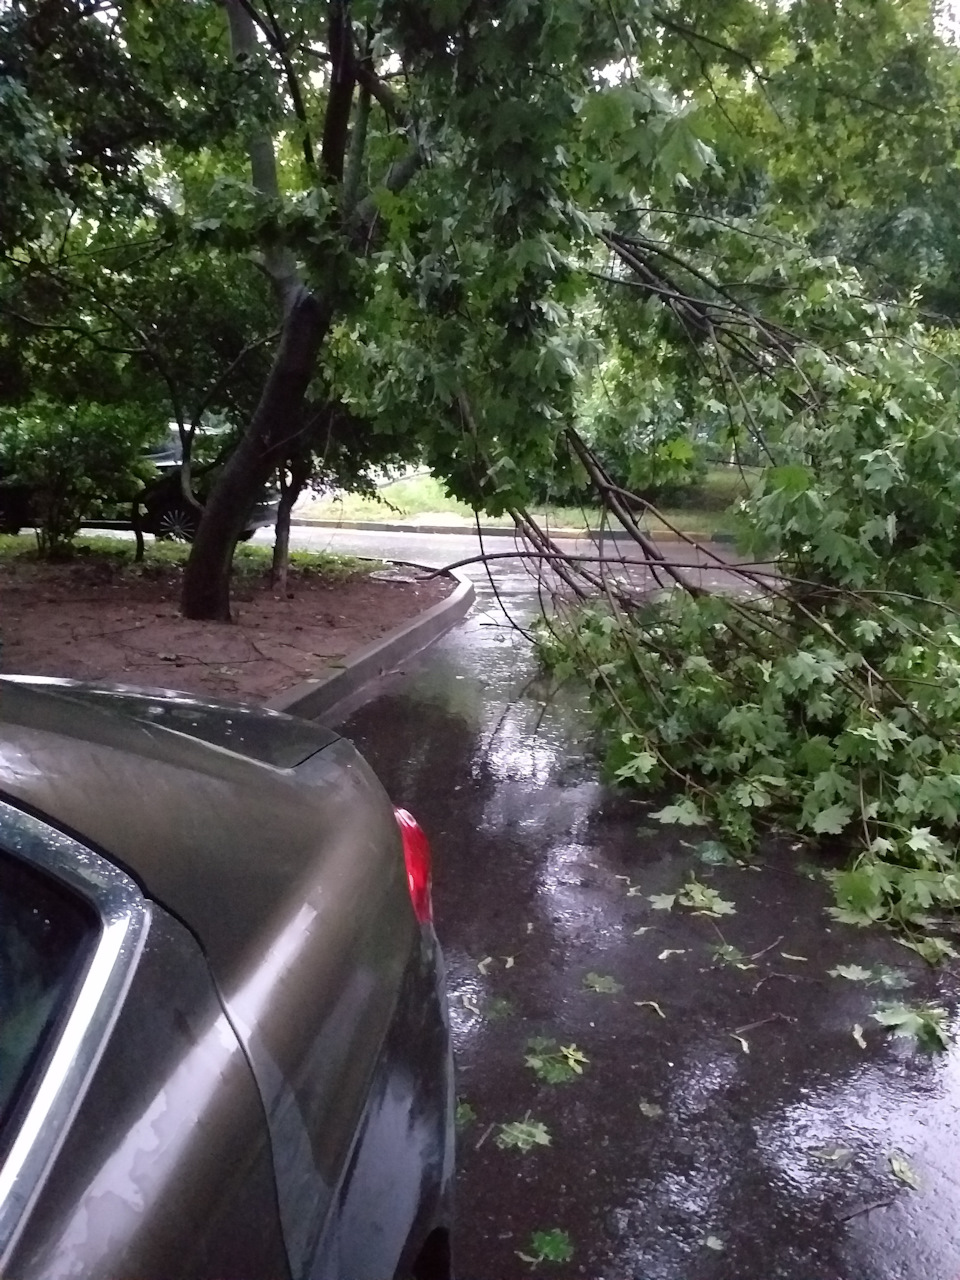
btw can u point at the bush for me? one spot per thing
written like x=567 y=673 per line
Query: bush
x=70 y=458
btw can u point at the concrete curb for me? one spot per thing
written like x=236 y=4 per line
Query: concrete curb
x=315 y=697
x=496 y=530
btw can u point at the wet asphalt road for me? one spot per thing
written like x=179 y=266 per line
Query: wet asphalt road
x=771 y=1158
x=509 y=573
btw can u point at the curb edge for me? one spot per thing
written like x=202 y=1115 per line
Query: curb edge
x=317 y=695
x=496 y=530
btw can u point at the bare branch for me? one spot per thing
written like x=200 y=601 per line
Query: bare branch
x=382 y=93
x=397 y=177
x=355 y=153
x=282 y=47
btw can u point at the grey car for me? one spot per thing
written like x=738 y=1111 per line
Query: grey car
x=224 y=1047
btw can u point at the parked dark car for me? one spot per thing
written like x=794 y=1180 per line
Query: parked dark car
x=165 y=512
x=168 y=515
x=224 y=1046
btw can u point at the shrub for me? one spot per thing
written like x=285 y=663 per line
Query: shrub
x=71 y=457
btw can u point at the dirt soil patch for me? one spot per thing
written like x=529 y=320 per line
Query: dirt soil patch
x=95 y=619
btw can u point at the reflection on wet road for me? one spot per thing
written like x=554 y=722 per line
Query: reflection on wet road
x=771 y=1158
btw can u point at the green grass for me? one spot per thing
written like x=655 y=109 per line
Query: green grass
x=248 y=560
x=416 y=496
x=705 y=509
x=404 y=500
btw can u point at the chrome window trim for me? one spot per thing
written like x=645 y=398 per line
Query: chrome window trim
x=124 y=916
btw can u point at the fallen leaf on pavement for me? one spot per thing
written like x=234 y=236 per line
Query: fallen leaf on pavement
x=838 y=1156
x=603 y=983
x=903 y=1171
x=852 y=972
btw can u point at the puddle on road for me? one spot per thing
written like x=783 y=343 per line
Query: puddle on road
x=772 y=1163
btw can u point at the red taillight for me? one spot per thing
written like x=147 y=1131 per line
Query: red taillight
x=416 y=854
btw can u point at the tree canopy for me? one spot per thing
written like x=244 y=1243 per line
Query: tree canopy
x=439 y=231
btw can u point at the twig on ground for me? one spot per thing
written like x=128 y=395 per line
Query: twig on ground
x=762 y=1022
x=866 y=1208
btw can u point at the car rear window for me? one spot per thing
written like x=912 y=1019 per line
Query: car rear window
x=46 y=934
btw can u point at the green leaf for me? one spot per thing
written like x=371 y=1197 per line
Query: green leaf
x=724 y=953
x=602 y=983
x=832 y=820
x=838 y=1156
x=523 y=1135
x=852 y=972
x=924 y=1023
x=815 y=755
x=860 y=891
x=792 y=478
x=933 y=949
x=607 y=113
x=637 y=767
x=714 y=854
x=548 y=1246
x=662 y=901
x=465 y=1114
x=846 y=915
x=553 y=1063
x=703 y=900
x=890 y=979
x=903 y=1171
x=684 y=813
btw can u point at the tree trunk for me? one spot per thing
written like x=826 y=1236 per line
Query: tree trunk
x=137 y=521
x=264 y=446
x=291 y=487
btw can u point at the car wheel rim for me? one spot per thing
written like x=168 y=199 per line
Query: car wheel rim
x=177 y=523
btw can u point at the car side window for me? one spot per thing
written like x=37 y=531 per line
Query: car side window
x=46 y=936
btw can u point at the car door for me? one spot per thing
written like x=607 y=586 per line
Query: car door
x=132 y=1138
